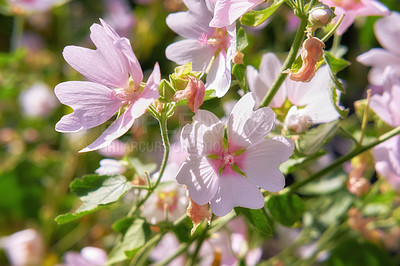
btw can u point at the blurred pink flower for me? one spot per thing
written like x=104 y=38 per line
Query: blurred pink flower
x=33 y=5
x=226 y=173
x=355 y=8
x=110 y=88
x=110 y=167
x=204 y=45
x=89 y=256
x=24 y=248
x=116 y=149
x=387 y=31
x=228 y=11
x=165 y=248
x=38 y=101
x=119 y=16
x=314 y=96
x=387 y=107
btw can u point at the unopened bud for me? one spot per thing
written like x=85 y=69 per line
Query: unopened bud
x=194 y=93
x=238 y=58
x=297 y=121
x=320 y=16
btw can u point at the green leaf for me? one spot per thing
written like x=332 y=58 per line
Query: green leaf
x=286 y=209
x=239 y=71
x=258 y=218
x=166 y=91
x=134 y=238
x=335 y=64
x=208 y=96
x=352 y=252
x=122 y=225
x=241 y=41
x=95 y=192
x=140 y=167
x=315 y=138
x=290 y=165
x=255 y=18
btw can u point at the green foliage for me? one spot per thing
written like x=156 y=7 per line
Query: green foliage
x=354 y=252
x=258 y=218
x=239 y=71
x=241 y=41
x=255 y=18
x=95 y=192
x=286 y=208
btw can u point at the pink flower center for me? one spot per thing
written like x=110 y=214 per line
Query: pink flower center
x=125 y=95
x=167 y=199
x=227 y=159
x=218 y=39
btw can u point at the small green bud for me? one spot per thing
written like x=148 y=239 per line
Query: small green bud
x=320 y=16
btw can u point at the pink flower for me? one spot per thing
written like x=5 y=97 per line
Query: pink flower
x=226 y=172
x=355 y=8
x=33 y=5
x=119 y=16
x=387 y=107
x=89 y=256
x=194 y=93
x=228 y=11
x=109 y=88
x=25 y=247
x=38 y=101
x=314 y=96
x=387 y=31
x=165 y=248
x=204 y=45
x=111 y=167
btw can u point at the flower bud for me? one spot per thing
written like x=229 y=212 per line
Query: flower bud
x=297 y=121
x=194 y=93
x=238 y=58
x=320 y=16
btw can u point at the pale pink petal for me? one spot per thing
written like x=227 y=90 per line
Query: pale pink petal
x=380 y=105
x=347 y=20
x=190 y=25
x=261 y=162
x=204 y=136
x=387 y=160
x=200 y=178
x=387 y=31
x=73 y=258
x=246 y=126
x=106 y=65
x=228 y=11
x=92 y=104
x=372 y=8
x=256 y=84
x=135 y=110
x=94 y=255
x=219 y=76
x=186 y=51
x=253 y=256
x=235 y=190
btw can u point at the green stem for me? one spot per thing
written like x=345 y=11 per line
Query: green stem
x=288 y=62
x=332 y=31
x=199 y=243
x=164 y=136
x=342 y=160
x=17 y=31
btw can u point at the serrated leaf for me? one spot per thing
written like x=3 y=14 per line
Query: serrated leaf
x=208 y=96
x=317 y=137
x=241 y=40
x=255 y=18
x=95 y=192
x=286 y=209
x=335 y=64
x=134 y=238
x=258 y=218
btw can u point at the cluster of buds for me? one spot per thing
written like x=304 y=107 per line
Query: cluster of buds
x=183 y=85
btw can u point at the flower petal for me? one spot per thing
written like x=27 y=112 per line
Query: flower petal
x=106 y=65
x=246 y=126
x=219 y=76
x=186 y=51
x=261 y=162
x=228 y=11
x=92 y=104
x=199 y=177
x=204 y=136
x=235 y=190
x=387 y=32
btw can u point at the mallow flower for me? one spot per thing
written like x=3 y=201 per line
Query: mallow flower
x=228 y=11
x=227 y=171
x=387 y=31
x=387 y=107
x=355 y=8
x=311 y=101
x=115 y=84
x=210 y=49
